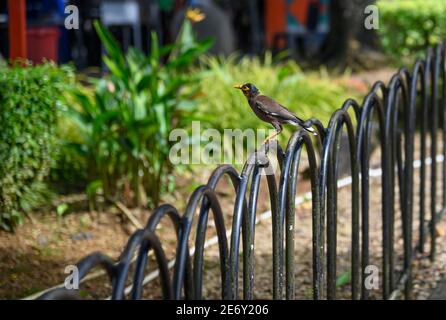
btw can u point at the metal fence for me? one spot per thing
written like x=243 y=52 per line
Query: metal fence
x=413 y=101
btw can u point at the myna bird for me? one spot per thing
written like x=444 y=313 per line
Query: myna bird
x=269 y=110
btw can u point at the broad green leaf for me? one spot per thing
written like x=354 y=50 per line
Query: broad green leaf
x=110 y=44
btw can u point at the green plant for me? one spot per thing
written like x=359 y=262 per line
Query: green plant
x=308 y=95
x=343 y=279
x=125 y=120
x=408 y=27
x=61 y=209
x=29 y=99
x=71 y=169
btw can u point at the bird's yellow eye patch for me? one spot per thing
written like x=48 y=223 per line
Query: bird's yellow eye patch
x=245 y=89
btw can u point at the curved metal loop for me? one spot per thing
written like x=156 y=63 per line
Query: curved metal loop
x=294 y=149
x=182 y=249
x=151 y=241
x=395 y=108
x=328 y=187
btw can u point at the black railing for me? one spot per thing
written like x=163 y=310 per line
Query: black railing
x=410 y=103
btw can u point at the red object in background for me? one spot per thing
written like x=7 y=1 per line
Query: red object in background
x=276 y=16
x=17 y=29
x=42 y=43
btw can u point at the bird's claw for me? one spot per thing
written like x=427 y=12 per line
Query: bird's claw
x=262 y=160
x=261 y=157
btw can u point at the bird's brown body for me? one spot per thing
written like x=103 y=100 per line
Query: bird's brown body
x=274 y=113
x=269 y=110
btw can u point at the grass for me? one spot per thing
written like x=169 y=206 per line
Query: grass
x=309 y=95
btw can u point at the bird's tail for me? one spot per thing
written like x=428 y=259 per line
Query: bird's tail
x=301 y=123
x=310 y=130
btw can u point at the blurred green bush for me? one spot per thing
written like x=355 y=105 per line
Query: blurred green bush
x=408 y=27
x=70 y=172
x=29 y=98
x=125 y=118
x=309 y=95
x=114 y=131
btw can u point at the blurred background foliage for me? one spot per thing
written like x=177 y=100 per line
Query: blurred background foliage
x=109 y=135
x=408 y=27
x=125 y=118
x=308 y=94
x=30 y=100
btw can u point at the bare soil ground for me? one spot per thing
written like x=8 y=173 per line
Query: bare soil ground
x=34 y=258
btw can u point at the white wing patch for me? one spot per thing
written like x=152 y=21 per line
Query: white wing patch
x=259 y=106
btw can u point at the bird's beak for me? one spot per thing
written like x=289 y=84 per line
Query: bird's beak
x=238 y=86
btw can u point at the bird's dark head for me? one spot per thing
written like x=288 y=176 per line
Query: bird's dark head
x=248 y=89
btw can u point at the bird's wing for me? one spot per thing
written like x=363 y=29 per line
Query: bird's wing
x=273 y=108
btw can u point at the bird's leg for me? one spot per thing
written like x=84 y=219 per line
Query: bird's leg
x=271 y=136
x=278 y=128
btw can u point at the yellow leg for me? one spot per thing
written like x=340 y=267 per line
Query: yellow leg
x=272 y=136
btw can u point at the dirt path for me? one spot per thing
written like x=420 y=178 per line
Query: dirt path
x=35 y=257
x=426 y=275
